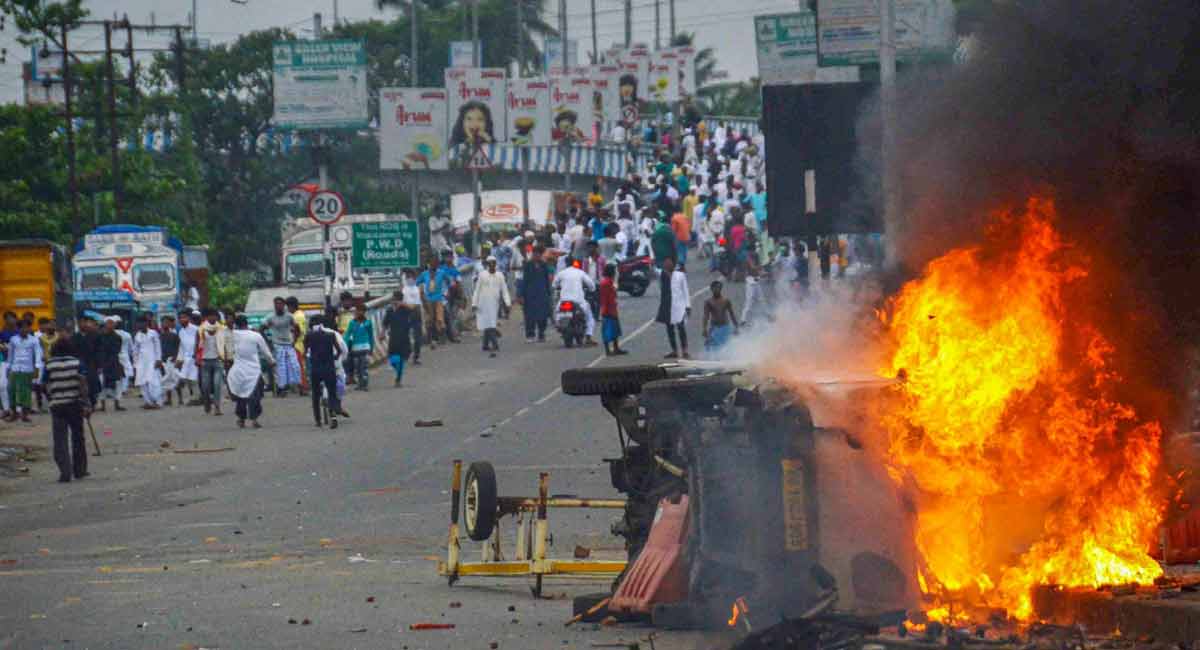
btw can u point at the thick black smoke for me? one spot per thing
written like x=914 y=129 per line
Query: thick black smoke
x=1097 y=105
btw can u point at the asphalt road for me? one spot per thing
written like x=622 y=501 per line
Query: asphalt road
x=160 y=549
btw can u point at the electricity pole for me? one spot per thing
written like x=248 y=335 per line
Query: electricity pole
x=628 y=23
x=671 y=36
x=562 y=20
x=414 y=198
x=113 y=128
x=595 y=47
x=657 y=24
x=476 y=54
x=887 y=94
x=72 y=179
x=520 y=38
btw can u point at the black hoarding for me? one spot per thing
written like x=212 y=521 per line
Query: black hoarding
x=811 y=130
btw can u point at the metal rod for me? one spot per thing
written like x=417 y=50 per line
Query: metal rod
x=595 y=46
x=455 y=491
x=525 y=183
x=195 y=19
x=530 y=504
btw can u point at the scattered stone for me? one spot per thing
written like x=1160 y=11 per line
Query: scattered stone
x=428 y=423
x=291 y=621
x=455 y=605
x=582 y=552
x=370 y=599
x=306 y=622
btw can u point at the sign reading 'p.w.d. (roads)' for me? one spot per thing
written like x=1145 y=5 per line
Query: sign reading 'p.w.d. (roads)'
x=386 y=244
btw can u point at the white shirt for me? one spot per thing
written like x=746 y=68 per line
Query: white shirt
x=187 y=341
x=618 y=133
x=412 y=296
x=147 y=352
x=681 y=298
x=248 y=347
x=193 y=298
x=25 y=355
x=571 y=281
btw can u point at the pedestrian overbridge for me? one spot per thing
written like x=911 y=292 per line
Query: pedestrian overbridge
x=553 y=167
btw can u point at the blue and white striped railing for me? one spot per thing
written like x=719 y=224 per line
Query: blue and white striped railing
x=610 y=161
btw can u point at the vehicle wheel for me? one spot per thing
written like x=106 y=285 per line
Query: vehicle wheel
x=638 y=290
x=620 y=380
x=479 y=501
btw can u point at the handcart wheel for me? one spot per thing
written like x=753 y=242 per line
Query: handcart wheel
x=479 y=501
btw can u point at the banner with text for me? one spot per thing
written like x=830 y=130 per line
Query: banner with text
x=529 y=111
x=848 y=30
x=320 y=84
x=412 y=129
x=385 y=245
x=606 y=93
x=786 y=45
x=476 y=105
x=664 y=77
x=687 y=70
x=571 y=105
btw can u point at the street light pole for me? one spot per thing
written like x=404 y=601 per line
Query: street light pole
x=414 y=198
x=887 y=94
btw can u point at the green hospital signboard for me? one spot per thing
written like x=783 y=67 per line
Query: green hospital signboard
x=320 y=84
x=385 y=245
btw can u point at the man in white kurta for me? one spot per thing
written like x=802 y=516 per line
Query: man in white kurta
x=491 y=291
x=147 y=359
x=245 y=376
x=189 y=334
x=126 y=359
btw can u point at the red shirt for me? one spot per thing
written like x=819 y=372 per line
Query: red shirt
x=608 y=298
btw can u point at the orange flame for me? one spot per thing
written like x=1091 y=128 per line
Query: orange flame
x=740 y=610
x=1028 y=468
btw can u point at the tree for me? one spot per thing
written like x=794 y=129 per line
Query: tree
x=740 y=98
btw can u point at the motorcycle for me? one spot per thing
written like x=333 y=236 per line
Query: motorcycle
x=570 y=321
x=633 y=275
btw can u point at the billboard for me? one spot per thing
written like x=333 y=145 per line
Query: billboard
x=639 y=56
x=529 y=111
x=606 y=93
x=687 y=70
x=500 y=208
x=630 y=88
x=664 y=77
x=462 y=55
x=848 y=30
x=320 y=84
x=811 y=132
x=476 y=98
x=385 y=245
x=786 y=45
x=571 y=109
x=552 y=56
x=412 y=128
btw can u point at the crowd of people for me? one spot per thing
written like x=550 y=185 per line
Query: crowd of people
x=702 y=200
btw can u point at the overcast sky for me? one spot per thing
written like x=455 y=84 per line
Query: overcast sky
x=723 y=25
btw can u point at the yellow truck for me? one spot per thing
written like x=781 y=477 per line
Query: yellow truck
x=35 y=276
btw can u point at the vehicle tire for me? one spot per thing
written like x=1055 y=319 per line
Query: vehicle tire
x=637 y=290
x=620 y=380
x=480 y=501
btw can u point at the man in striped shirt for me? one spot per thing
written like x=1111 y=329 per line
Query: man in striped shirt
x=67 y=389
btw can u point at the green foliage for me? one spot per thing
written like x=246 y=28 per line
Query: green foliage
x=230 y=289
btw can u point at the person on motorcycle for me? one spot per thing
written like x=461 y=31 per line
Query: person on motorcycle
x=573 y=284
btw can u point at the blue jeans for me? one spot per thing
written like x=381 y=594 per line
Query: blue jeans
x=397 y=362
x=681 y=252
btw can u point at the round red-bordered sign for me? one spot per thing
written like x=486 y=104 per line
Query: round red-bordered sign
x=326 y=207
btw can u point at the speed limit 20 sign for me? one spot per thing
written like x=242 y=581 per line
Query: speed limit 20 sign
x=326 y=207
